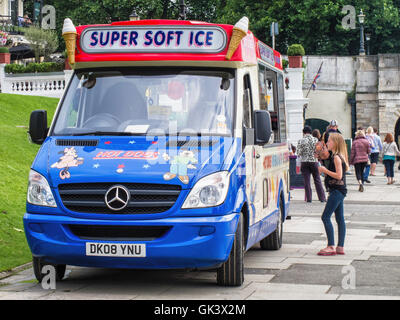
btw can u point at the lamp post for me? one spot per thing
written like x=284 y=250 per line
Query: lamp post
x=134 y=16
x=361 y=19
x=183 y=10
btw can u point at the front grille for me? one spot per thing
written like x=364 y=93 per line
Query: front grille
x=128 y=233
x=145 y=198
x=76 y=143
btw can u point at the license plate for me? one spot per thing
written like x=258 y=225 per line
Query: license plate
x=101 y=249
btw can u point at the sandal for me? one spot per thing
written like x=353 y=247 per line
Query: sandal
x=328 y=251
x=339 y=250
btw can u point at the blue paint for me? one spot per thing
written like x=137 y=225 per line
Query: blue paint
x=198 y=237
x=94 y=38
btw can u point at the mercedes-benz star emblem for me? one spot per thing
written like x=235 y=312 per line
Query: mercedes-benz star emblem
x=117 y=197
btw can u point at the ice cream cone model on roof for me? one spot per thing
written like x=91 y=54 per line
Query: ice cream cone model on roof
x=69 y=34
x=239 y=32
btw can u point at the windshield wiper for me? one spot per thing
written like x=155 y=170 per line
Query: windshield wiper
x=102 y=133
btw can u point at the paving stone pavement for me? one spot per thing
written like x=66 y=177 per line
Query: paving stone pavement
x=368 y=271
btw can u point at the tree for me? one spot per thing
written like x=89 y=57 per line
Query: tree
x=317 y=24
x=43 y=42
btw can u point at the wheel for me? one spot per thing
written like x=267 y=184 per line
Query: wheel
x=38 y=265
x=231 y=273
x=274 y=240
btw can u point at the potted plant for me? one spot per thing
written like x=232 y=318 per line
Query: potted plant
x=4 y=52
x=5 y=55
x=295 y=54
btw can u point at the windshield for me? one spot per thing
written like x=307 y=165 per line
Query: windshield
x=129 y=101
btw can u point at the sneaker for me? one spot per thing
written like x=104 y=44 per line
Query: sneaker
x=367 y=181
x=361 y=188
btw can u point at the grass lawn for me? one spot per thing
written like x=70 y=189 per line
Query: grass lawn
x=16 y=157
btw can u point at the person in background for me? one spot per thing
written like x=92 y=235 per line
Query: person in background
x=309 y=165
x=371 y=141
x=359 y=154
x=27 y=21
x=375 y=151
x=333 y=127
x=390 y=151
x=316 y=134
x=335 y=179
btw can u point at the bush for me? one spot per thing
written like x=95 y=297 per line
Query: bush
x=34 y=67
x=4 y=50
x=296 y=50
x=14 y=68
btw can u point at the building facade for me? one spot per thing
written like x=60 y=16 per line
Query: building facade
x=358 y=91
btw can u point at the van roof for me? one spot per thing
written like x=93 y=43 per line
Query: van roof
x=167 y=42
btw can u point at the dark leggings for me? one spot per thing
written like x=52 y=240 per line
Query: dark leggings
x=359 y=167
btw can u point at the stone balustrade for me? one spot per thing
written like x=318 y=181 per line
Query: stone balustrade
x=51 y=84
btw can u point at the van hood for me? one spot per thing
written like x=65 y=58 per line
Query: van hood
x=137 y=159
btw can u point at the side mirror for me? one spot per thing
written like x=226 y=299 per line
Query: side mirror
x=38 y=126
x=262 y=126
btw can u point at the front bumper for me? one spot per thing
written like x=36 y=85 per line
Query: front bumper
x=192 y=242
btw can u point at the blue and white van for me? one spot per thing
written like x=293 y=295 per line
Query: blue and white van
x=161 y=159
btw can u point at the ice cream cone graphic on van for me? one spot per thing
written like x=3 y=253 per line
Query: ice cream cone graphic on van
x=239 y=32
x=69 y=34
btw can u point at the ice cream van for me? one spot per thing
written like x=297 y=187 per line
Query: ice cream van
x=167 y=150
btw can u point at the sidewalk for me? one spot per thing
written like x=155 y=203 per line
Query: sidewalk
x=368 y=271
x=375 y=192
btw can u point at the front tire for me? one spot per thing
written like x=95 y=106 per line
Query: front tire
x=231 y=273
x=274 y=240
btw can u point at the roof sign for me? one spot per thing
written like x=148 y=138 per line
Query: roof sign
x=205 y=39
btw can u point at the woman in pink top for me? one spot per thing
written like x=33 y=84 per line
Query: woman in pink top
x=360 y=151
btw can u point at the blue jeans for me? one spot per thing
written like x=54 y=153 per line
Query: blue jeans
x=389 y=165
x=334 y=204
x=366 y=172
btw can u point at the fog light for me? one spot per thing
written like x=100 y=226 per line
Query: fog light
x=206 y=230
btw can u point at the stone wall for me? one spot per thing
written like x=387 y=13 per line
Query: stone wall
x=373 y=80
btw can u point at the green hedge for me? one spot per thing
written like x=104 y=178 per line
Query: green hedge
x=34 y=67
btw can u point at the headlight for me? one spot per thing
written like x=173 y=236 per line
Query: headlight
x=39 y=192
x=209 y=191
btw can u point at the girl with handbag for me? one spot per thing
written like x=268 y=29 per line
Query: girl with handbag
x=335 y=180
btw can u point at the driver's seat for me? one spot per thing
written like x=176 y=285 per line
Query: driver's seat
x=124 y=101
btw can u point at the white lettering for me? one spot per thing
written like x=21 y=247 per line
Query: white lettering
x=349 y=20
x=49 y=280
x=49 y=20
x=349 y=281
